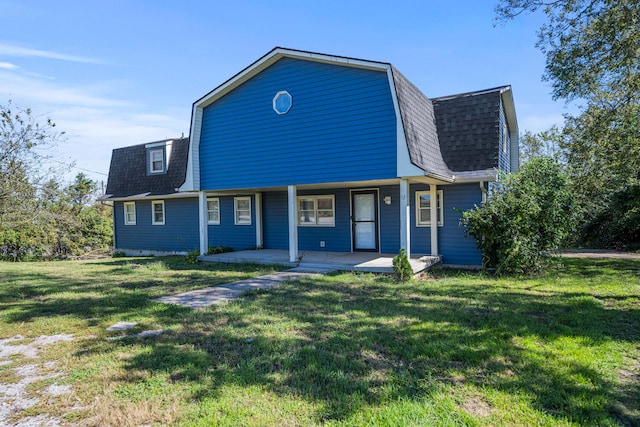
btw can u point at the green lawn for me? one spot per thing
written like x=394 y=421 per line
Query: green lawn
x=454 y=349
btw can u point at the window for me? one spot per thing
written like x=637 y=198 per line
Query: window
x=423 y=208
x=156 y=161
x=157 y=212
x=282 y=102
x=504 y=138
x=129 y=213
x=213 y=211
x=242 y=210
x=316 y=210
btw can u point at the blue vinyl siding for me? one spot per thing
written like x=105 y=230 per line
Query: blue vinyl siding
x=337 y=238
x=390 y=220
x=275 y=220
x=180 y=232
x=341 y=127
x=453 y=245
x=504 y=162
x=421 y=236
x=238 y=237
x=276 y=223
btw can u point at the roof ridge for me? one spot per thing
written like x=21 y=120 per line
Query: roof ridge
x=472 y=93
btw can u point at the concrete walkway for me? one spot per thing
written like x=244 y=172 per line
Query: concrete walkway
x=348 y=261
x=202 y=298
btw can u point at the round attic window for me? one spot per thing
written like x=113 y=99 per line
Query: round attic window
x=282 y=102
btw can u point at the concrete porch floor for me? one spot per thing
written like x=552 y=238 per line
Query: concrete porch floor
x=350 y=261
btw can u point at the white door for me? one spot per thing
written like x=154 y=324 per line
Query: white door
x=365 y=221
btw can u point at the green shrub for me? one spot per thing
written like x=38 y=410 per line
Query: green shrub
x=219 y=250
x=402 y=267
x=192 y=256
x=528 y=214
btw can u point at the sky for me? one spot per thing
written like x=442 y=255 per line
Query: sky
x=117 y=73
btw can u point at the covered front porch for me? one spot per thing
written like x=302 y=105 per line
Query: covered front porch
x=349 y=261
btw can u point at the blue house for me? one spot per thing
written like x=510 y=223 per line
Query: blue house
x=303 y=151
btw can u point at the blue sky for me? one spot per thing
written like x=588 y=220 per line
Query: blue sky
x=119 y=73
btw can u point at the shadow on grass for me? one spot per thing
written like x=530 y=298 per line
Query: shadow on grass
x=350 y=345
x=346 y=342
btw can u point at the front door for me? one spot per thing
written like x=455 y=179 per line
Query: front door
x=364 y=220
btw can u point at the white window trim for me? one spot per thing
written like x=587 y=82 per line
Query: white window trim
x=213 y=199
x=315 y=209
x=235 y=210
x=126 y=222
x=275 y=98
x=153 y=216
x=504 y=138
x=151 y=170
x=440 y=211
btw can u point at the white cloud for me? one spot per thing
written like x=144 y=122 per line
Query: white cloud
x=92 y=133
x=8 y=66
x=13 y=50
x=37 y=89
x=93 y=119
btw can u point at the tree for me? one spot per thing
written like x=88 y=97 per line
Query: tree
x=592 y=50
x=82 y=191
x=23 y=145
x=528 y=214
x=546 y=143
x=591 y=46
x=39 y=216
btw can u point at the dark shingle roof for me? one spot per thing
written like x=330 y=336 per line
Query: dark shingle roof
x=419 y=124
x=128 y=171
x=469 y=129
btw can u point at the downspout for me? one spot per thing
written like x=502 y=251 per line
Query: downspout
x=484 y=192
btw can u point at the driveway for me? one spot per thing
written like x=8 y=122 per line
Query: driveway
x=598 y=253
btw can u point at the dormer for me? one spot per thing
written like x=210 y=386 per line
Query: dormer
x=157 y=157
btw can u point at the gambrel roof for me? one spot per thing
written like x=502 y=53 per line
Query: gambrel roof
x=450 y=139
x=422 y=123
x=128 y=170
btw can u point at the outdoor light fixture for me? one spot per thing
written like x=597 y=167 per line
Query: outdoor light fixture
x=387 y=200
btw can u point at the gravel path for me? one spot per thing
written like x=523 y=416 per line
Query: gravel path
x=598 y=253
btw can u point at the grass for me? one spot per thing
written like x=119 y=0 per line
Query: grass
x=339 y=350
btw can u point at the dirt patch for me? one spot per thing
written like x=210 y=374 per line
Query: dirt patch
x=476 y=406
x=598 y=253
x=628 y=394
x=14 y=394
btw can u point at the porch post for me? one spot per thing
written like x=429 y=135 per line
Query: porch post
x=293 y=229
x=258 y=202
x=405 y=217
x=204 y=235
x=433 y=190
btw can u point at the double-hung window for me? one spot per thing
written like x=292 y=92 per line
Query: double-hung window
x=423 y=208
x=157 y=212
x=213 y=211
x=129 y=213
x=242 y=210
x=316 y=210
x=156 y=161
